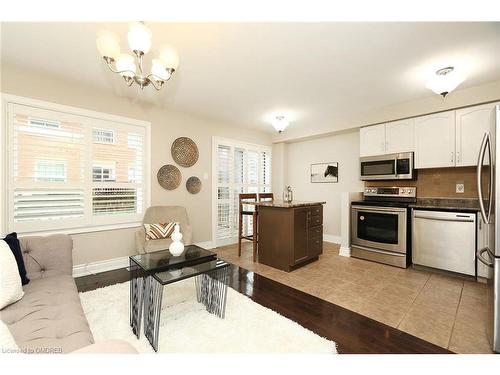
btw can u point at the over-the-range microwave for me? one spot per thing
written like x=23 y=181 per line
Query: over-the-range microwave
x=388 y=167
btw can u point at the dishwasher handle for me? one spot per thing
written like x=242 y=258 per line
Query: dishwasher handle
x=454 y=217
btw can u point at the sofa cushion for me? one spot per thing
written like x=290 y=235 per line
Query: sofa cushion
x=15 y=247
x=50 y=318
x=46 y=256
x=11 y=289
x=7 y=342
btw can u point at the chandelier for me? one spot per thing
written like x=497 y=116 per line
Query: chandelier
x=131 y=68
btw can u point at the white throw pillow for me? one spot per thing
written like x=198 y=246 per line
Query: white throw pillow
x=11 y=289
x=7 y=343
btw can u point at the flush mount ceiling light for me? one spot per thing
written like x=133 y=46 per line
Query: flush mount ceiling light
x=280 y=123
x=445 y=81
x=139 y=41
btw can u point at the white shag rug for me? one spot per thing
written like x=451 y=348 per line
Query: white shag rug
x=186 y=327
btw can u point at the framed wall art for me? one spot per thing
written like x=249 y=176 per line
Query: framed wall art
x=325 y=172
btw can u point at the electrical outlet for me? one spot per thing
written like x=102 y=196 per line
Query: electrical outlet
x=459 y=188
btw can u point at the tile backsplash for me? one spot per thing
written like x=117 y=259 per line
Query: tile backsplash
x=438 y=182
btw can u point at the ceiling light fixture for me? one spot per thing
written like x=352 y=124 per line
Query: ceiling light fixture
x=445 y=81
x=280 y=123
x=139 y=41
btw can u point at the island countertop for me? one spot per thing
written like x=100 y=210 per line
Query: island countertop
x=283 y=204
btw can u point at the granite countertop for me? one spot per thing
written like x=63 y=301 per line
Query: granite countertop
x=450 y=204
x=293 y=204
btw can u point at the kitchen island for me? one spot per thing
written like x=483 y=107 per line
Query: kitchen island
x=290 y=234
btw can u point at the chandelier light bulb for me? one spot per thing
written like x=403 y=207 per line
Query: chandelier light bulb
x=125 y=64
x=139 y=37
x=280 y=123
x=445 y=81
x=108 y=44
x=159 y=71
x=169 y=58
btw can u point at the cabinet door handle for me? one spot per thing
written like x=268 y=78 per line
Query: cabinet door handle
x=382 y=146
x=452 y=156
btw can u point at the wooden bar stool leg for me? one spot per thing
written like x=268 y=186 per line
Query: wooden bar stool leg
x=240 y=232
x=254 y=237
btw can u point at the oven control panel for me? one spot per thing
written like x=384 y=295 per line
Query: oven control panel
x=403 y=192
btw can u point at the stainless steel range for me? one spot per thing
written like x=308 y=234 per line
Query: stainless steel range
x=380 y=225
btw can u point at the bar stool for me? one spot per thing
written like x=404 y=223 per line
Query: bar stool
x=263 y=197
x=244 y=200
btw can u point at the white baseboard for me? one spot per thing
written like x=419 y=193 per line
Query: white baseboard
x=331 y=238
x=100 y=266
x=345 y=251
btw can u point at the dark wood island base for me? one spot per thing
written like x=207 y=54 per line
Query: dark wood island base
x=290 y=234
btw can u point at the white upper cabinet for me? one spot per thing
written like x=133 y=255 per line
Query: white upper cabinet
x=435 y=140
x=399 y=136
x=471 y=124
x=372 y=140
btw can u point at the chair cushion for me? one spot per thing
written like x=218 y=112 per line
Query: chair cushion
x=11 y=289
x=50 y=318
x=159 y=231
x=15 y=247
x=157 y=245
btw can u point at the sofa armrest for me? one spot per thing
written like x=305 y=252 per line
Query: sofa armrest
x=140 y=240
x=46 y=256
x=107 y=347
x=187 y=235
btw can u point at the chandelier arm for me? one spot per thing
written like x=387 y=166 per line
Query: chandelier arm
x=157 y=88
x=156 y=78
x=118 y=71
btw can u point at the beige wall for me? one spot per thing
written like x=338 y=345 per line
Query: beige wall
x=166 y=125
x=341 y=148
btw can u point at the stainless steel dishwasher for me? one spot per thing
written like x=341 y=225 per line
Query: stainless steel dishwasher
x=444 y=240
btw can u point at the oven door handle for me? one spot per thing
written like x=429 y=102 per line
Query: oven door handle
x=379 y=209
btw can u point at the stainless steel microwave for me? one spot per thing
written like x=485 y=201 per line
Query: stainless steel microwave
x=388 y=167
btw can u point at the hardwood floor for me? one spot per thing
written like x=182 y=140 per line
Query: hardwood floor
x=353 y=333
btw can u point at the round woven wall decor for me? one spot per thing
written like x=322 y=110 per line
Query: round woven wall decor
x=169 y=177
x=185 y=152
x=193 y=185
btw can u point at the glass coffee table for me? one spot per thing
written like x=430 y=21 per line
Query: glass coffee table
x=149 y=273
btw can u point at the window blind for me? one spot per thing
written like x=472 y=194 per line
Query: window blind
x=241 y=168
x=73 y=171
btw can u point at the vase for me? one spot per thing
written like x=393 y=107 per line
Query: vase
x=176 y=248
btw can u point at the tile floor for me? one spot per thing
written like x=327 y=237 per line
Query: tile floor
x=447 y=311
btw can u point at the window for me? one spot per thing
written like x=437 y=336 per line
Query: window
x=104 y=171
x=44 y=123
x=86 y=172
x=240 y=168
x=50 y=171
x=103 y=136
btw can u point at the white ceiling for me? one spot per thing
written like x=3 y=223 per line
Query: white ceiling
x=320 y=73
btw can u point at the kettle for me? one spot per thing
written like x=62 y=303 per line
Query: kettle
x=288 y=194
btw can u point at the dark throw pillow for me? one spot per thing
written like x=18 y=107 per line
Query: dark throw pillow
x=15 y=247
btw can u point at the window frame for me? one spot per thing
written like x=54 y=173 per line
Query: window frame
x=95 y=223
